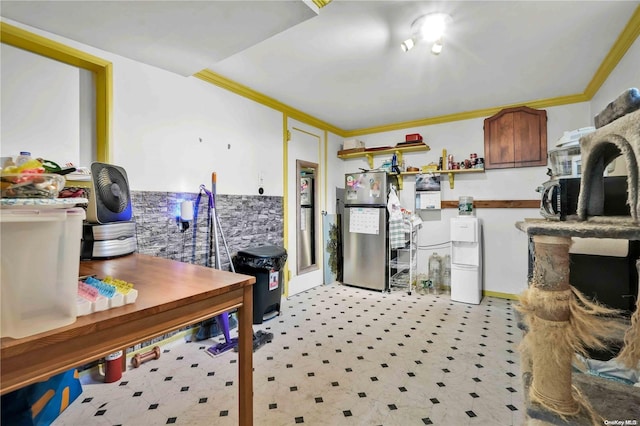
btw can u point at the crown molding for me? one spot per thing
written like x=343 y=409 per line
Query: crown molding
x=102 y=69
x=626 y=38
x=321 y=3
x=486 y=112
x=239 y=89
x=22 y=39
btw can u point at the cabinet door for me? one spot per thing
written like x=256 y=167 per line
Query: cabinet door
x=516 y=137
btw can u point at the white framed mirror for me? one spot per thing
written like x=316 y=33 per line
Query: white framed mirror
x=306 y=208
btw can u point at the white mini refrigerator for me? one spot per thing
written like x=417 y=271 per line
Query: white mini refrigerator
x=466 y=259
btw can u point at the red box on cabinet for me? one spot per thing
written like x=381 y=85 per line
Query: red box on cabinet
x=413 y=137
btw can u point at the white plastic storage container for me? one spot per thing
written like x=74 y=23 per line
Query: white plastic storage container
x=39 y=269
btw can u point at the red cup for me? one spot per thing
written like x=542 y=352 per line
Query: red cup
x=113 y=367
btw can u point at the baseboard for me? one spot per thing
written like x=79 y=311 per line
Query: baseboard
x=178 y=336
x=500 y=295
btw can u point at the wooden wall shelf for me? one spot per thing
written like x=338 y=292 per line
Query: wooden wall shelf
x=398 y=151
x=450 y=173
x=370 y=154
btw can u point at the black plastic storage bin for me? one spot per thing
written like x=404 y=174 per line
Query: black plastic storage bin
x=265 y=263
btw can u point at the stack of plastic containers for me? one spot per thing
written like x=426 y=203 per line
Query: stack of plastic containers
x=39 y=271
x=40 y=237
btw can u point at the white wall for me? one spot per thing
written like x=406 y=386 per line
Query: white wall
x=505 y=247
x=625 y=76
x=171 y=132
x=505 y=264
x=159 y=119
x=40 y=107
x=335 y=177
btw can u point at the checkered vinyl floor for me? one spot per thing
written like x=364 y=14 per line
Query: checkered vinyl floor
x=340 y=356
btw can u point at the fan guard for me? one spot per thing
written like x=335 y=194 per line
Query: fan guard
x=110 y=200
x=112 y=188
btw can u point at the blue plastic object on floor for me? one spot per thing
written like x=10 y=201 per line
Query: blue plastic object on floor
x=42 y=402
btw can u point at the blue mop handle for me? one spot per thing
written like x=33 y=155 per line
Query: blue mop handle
x=208 y=194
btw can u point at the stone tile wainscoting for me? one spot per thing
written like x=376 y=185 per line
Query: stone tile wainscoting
x=246 y=221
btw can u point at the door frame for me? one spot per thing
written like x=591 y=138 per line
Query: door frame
x=321 y=179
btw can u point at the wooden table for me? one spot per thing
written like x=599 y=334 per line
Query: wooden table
x=171 y=295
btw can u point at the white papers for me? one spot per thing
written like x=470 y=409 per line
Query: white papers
x=428 y=200
x=364 y=220
x=428 y=194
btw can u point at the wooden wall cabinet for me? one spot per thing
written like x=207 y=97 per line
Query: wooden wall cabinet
x=515 y=137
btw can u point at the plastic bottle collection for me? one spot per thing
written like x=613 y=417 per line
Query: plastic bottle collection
x=27 y=177
x=23 y=164
x=439 y=277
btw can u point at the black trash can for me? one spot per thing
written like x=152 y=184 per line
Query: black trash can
x=265 y=263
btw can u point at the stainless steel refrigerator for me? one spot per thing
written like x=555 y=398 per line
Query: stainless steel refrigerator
x=365 y=230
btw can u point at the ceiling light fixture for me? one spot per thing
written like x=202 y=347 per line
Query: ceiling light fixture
x=408 y=44
x=428 y=28
x=437 y=46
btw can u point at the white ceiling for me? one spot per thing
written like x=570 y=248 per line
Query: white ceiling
x=344 y=65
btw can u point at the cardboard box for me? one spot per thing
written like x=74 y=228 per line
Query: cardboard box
x=352 y=144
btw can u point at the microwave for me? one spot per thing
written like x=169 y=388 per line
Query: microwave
x=559 y=197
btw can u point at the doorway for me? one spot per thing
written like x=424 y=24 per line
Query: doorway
x=304 y=203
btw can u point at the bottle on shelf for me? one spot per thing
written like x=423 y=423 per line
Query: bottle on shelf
x=22 y=158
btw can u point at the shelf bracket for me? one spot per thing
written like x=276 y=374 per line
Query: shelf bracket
x=451 y=180
x=398 y=156
x=370 y=160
